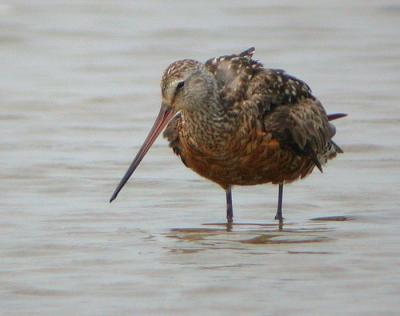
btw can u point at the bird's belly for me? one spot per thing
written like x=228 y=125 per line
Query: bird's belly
x=255 y=163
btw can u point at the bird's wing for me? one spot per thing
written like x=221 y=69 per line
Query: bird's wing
x=242 y=79
x=293 y=115
x=286 y=107
x=304 y=129
x=233 y=73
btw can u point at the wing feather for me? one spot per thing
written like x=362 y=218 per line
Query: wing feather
x=285 y=105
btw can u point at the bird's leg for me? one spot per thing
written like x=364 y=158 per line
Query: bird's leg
x=278 y=215
x=229 y=208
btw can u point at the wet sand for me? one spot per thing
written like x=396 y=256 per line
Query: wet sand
x=79 y=91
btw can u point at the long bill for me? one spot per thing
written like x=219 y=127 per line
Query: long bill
x=162 y=119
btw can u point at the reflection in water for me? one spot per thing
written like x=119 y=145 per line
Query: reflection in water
x=228 y=236
x=333 y=218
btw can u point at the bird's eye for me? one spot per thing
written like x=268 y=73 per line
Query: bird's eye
x=180 y=85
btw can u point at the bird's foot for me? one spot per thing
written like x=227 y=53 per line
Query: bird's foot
x=229 y=226
x=280 y=225
x=279 y=218
x=229 y=222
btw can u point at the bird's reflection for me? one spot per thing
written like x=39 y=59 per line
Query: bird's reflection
x=240 y=236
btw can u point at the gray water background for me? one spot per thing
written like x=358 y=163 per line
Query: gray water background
x=79 y=89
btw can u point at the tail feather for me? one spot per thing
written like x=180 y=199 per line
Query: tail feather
x=337 y=148
x=332 y=117
x=336 y=116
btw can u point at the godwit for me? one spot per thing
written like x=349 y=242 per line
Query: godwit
x=235 y=122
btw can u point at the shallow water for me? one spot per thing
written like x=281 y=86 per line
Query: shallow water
x=79 y=90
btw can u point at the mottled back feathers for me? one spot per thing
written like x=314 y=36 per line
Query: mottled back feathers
x=279 y=104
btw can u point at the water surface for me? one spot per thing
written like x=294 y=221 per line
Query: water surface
x=79 y=90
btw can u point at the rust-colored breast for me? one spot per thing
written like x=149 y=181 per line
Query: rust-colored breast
x=257 y=159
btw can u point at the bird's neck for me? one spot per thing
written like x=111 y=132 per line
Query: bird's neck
x=210 y=129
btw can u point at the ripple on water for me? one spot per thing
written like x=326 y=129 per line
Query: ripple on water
x=242 y=236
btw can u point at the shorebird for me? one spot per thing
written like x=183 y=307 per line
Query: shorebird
x=235 y=122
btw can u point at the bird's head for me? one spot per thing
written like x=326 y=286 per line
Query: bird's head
x=186 y=85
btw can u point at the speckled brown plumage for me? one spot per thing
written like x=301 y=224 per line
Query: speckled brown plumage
x=274 y=129
x=237 y=123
